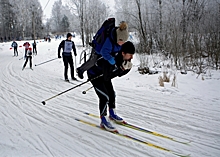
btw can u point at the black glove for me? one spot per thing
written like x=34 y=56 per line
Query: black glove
x=75 y=54
x=59 y=56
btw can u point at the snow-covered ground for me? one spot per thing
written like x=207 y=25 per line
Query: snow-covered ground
x=190 y=111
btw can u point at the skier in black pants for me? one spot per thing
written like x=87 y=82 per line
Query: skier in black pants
x=67 y=46
x=15 y=45
x=28 y=57
x=103 y=85
x=34 y=48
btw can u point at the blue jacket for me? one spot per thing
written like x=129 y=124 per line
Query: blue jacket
x=109 y=47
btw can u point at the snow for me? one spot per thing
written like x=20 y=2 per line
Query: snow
x=189 y=111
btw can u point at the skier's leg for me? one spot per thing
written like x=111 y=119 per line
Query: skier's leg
x=30 y=58
x=16 y=49
x=102 y=94
x=25 y=63
x=88 y=64
x=111 y=93
x=65 y=61
x=111 y=104
x=70 y=61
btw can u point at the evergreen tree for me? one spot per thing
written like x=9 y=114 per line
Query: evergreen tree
x=65 y=23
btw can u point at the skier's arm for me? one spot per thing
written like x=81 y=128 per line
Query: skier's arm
x=74 y=48
x=106 y=50
x=60 y=46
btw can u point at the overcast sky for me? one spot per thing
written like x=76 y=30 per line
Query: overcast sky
x=48 y=9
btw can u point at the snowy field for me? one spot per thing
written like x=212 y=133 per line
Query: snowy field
x=189 y=112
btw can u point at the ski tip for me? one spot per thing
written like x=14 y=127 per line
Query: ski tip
x=112 y=131
x=124 y=122
x=116 y=131
x=181 y=155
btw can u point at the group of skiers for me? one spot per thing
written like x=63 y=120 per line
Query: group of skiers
x=109 y=58
x=28 y=51
x=113 y=59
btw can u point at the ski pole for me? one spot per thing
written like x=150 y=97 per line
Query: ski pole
x=75 y=62
x=45 y=62
x=44 y=102
x=84 y=92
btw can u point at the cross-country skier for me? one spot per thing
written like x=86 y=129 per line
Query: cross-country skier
x=28 y=57
x=26 y=46
x=103 y=85
x=112 y=45
x=67 y=46
x=15 y=46
x=34 y=48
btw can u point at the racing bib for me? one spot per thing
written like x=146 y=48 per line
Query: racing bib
x=68 y=46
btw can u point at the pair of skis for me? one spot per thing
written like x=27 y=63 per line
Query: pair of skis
x=126 y=124
x=131 y=126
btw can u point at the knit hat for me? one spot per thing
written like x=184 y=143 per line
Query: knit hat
x=128 y=47
x=68 y=35
x=122 y=32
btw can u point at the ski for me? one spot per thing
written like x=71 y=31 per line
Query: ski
x=133 y=138
x=69 y=82
x=128 y=125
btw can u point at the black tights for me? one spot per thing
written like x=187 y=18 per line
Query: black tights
x=30 y=58
x=68 y=60
x=106 y=94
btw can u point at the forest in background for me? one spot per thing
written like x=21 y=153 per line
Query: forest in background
x=185 y=31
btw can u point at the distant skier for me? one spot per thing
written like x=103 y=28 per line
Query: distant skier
x=26 y=46
x=15 y=46
x=34 y=48
x=103 y=85
x=28 y=57
x=67 y=46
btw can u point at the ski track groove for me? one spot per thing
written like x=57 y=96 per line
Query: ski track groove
x=59 y=114
x=101 y=135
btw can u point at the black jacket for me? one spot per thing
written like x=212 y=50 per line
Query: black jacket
x=103 y=67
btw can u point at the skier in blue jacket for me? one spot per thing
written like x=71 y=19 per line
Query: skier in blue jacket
x=15 y=46
x=119 y=35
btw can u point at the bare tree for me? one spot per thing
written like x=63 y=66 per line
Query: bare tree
x=90 y=15
x=187 y=31
x=18 y=18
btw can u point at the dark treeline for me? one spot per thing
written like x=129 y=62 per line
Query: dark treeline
x=186 y=31
x=19 y=19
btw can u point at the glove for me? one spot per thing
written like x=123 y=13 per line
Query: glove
x=111 y=61
x=59 y=56
x=126 y=65
x=75 y=54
